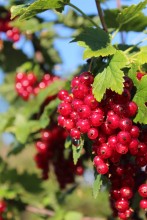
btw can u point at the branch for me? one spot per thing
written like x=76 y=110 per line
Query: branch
x=84 y=15
x=100 y=12
x=51 y=213
x=41 y=211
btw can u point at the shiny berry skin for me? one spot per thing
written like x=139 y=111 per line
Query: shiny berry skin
x=122 y=205
x=142 y=149
x=97 y=160
x=92 y=133
x=84 y=111
x=96 y=119
x=125 y=124
x=46 y=135
x=80 y=92
x=83 y=125
x=124 y=137
x=126 y=192
x=41 y=147
x=61 y=120
x=104 y=151
x=75 y=133
x=62 y=94
x=76 y=103
x=86 y=78
x=91 y=101
x=64 y=109
x=31 y=78
x=113 y=121
x=115 y=194
x=132 y=109
x=143 y=204
x=121 y=149
x=135 y=131
x=79 y=170
x=143 y=190
x=139 y=75
x=133 y=146
x=128 y=84
x=75 y=82
x=102 y=168
x=112 y=141
x=68 y=124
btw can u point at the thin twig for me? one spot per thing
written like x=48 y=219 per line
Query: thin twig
x=40 y=211
x=51 y=213
x=119 y=6
x=100 y=12
x=84 y=15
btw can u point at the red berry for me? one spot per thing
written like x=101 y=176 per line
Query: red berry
x=92 y=133
x=143 y=190
x=143 y=204
x=122 y=205
x=102 y=168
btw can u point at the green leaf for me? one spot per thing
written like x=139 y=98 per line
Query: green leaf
x=22 y=129
x=138 y=23
x=77 y=150
x=49 y=109
x=111 y=77
x=96 y=41
x=17 y=59
x=141 y=98
x=72 y=215
x=28 y=11
x=131 y=12
x=96 y=185
x=68 y=142
x=141 y=57
x=17 y=10
x=6 y=119
x=15 y=149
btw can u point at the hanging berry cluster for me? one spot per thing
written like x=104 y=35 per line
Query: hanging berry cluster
x=27 y=85
x=119 y=145
x=12 y=33
x=50 y=150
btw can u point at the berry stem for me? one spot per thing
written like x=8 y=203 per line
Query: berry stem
x=100 y=12
x=84 y=15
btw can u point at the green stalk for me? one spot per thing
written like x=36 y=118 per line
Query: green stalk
x=82 y=13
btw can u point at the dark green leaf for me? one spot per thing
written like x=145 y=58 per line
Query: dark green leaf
x=111 y=77
x=138 y=24
x=15 y=149
x=141 y=98
x=27 y=11
x=96 y=41
x=17 y=59
x=131 y=12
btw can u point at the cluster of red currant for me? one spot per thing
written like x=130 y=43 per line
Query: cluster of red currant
x=27 y=84
x=119 y=145
x=12 y=33
x=51 y=151
x=3 y=207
